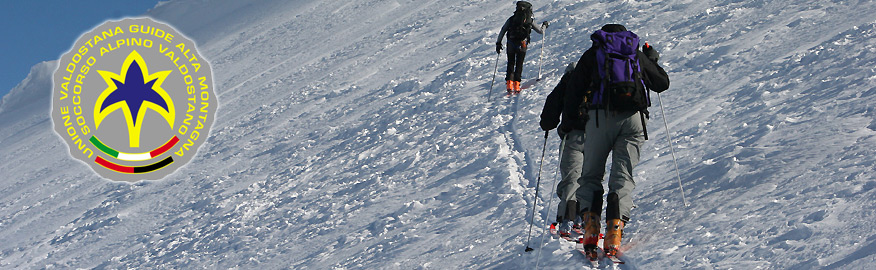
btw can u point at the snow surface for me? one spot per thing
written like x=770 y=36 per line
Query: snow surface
x=357 y=135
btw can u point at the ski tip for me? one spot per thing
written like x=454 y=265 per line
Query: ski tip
x=615 y=260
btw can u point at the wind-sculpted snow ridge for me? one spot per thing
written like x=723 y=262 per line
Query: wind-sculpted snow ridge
x=358 y=135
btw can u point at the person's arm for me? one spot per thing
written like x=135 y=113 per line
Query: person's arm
x=537 y=27
x=578 y=83
x=553 y=105
x=581 y=76
x=654 y=76
x=502 y=32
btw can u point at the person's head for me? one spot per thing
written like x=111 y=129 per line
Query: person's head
x=613 y=28
x=523 y=5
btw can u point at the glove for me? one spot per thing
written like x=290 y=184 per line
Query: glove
x=547 y=125
x=545 y=24
x=650 y=52
x=563 y=130
x=499 y=47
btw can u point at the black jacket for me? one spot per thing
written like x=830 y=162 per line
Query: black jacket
x=507 y=25
x=568 y=97
x=553 y=109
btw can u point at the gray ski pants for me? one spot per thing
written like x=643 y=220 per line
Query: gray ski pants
x=571 y=162
x=622 y=135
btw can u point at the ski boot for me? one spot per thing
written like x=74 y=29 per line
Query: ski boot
x=509 y=87
x=579 y=225
x=516 y=87
x=613 y=235
x=590 y=237
x=565 y=230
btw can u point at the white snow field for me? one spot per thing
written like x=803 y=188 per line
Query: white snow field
x=359 y=135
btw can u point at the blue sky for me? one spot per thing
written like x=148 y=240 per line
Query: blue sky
x=33 y=31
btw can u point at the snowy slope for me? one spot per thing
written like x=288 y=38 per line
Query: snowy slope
x=358 y=135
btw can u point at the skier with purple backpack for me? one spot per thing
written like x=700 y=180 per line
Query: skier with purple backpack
x=609 y=90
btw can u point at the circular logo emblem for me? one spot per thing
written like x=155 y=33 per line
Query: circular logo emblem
x=133 y=99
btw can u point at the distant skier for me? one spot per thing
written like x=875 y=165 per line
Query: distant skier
x=612 y=77
x=518 y=28
x=572 y=158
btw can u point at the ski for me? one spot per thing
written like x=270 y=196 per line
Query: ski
x=556 y=233
x=592 y=256
x=595 y=254
x=578 y=229
x=568 y=238
x=615 y=259
x=591 y=253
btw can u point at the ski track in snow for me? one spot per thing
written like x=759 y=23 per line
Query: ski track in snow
x=366 y=141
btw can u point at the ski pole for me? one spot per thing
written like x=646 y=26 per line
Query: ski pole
x=550 y=201
x=542 y=52
x=672 y=150
x=537 y=185
x=495 y=69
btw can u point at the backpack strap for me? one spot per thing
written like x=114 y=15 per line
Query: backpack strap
x=644 y=128
x=644 y=113
x=596 y=117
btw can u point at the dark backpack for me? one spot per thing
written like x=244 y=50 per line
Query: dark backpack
x=521 y=22
x=620 y=85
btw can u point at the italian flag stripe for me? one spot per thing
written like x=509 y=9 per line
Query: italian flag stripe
x=133 y=156
x=169 y=144
x=103 y=148
x=134 y=169
x=154 y=166
x=113 y=166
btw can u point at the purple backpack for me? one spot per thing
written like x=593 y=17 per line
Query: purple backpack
x=621 y=87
